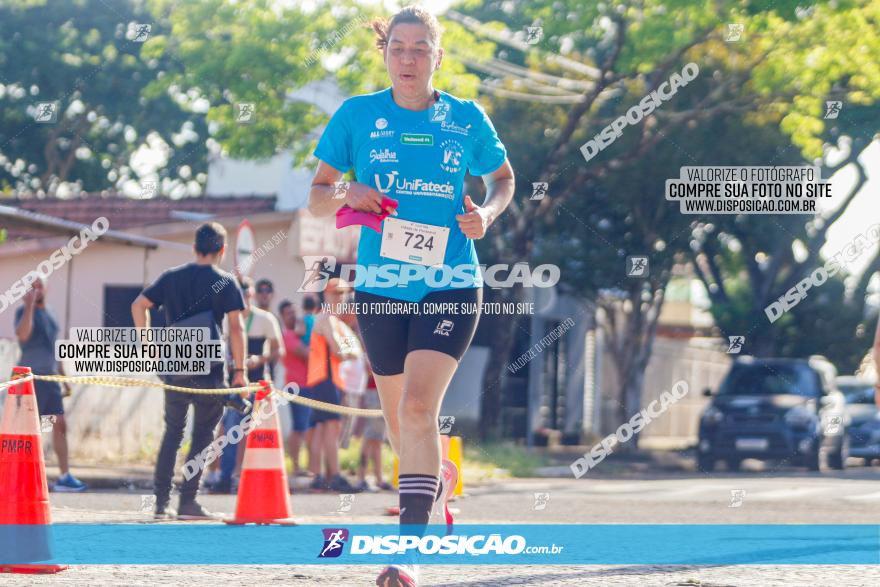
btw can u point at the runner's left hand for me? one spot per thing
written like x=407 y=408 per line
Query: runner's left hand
x=474 y=221
x=239 y=380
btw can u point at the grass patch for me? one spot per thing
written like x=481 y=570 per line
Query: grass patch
x=503 y=459
x=482 y=462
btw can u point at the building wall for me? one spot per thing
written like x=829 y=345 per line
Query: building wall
x=700 y=362
x=102 y=264
x=276 y=175
x=553 y=312
x=113 y=424
x=462 y=399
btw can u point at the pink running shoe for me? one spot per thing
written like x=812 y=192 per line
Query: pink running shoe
x=398 y=576
x=448 y=481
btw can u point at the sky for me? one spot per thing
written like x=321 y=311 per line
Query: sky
x=863 y=212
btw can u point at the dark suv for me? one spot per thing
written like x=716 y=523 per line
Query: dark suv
x=775 y=409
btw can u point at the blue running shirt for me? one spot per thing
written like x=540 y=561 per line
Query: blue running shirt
x=419 y=158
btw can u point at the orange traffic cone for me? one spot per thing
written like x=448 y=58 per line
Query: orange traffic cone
x=24 y=494
x=263 y=494
x=394 y=510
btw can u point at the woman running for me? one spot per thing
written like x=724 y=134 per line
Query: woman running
x=414 y=144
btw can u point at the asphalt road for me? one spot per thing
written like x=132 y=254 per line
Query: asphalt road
x=850 y=497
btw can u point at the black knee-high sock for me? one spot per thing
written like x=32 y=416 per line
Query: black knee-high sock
x=417 y=495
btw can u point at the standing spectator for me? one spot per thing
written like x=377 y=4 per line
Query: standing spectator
x=310 y=310
x=188 y=293
x=263 y=300
x=265 y=293
x=328 y=346
x=264 y=342
x=37 y=330
x=296 y=365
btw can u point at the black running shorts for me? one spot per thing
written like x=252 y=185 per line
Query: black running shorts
x=444 y=321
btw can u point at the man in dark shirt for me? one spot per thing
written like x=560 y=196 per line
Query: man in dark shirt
x=183 y=292
x=37 y=330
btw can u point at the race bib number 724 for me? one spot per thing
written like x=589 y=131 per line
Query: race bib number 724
x=413 y=242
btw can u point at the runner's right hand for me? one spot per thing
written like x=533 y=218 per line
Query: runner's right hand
x=360 y=196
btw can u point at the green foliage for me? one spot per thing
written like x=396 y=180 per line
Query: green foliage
x=258 y=52
x=795 y=57
x=81 y=55
x=826 y=323
x=789 y=61
x=495 y=458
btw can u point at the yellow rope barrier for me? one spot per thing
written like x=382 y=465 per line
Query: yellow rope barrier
x=113 y=381
x=319 y=405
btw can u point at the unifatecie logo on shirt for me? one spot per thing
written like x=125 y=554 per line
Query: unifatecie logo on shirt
x=413 y=187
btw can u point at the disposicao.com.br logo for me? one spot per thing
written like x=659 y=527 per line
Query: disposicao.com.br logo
x=452 y=544
x=321 y=268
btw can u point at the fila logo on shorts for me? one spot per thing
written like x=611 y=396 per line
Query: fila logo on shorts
x=444 y=327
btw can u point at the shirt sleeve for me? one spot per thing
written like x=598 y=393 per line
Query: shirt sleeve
x=309 y=321
x=335 y=145
x=276 y=330
x=488 y=152
x=232 y=297
x=155 y=292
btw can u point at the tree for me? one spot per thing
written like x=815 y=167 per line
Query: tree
x=746 y=263
x=619 y=52
x=85 y=57
x=594 y=61
x=259 y=52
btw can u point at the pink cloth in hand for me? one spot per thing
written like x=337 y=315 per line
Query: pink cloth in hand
x=346 y=216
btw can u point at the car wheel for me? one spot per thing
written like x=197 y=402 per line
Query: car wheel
x=837 y=459
x=705 y=463
x=733 y=464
